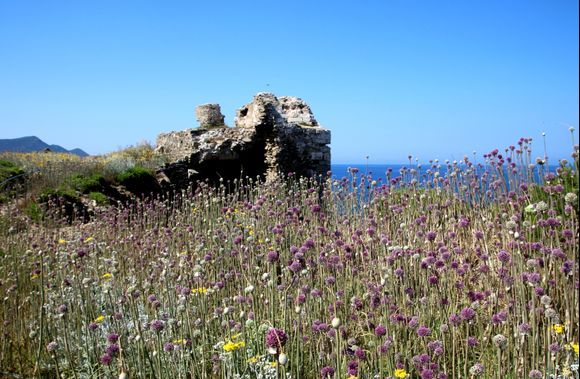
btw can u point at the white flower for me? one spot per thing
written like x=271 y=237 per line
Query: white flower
x=335 y=322
x=282 y=359
x=571 y=197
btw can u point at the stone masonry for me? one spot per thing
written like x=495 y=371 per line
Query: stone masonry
x=209 y=116
x=271 y=136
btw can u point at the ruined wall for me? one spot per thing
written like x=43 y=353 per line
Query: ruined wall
x=271 y=136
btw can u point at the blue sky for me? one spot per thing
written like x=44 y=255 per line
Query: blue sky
x=434 y=79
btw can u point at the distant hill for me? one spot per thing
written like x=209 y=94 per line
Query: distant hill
x=32 y=143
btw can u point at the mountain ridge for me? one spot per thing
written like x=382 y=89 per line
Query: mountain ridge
x=29 y=144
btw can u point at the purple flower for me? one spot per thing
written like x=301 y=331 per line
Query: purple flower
x=352 y=368
x=467 y=314
x=554 y=348
x=427 y=374
x=63 y=309
x=431 y=236
x=504 y=256
x=276 y=338
x=106 y=359
x=360 y=354
x=380 y=330
x=157 y=325
x=327 y=372
x=423 y=331
x=112 y=350
x=168 y=346
x=272 y=256
x=52 y=346
x=535 y=374
x=112 y=337
x=524 y=328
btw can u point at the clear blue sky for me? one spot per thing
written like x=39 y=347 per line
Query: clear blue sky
x=435 y=79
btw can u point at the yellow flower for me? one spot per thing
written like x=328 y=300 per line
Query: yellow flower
x=61 y=241
x=236 y=336
x=231 y=346
x=89 y=239
x=100 y=319
x=401 y=373
x=34 y=276
x=558 y=328
x=200 y=290
x=274 y=364
x=107 y=275
x=574 y=347
x=179 y=342
x=253 y=360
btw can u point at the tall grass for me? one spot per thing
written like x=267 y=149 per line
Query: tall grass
x=474 y=274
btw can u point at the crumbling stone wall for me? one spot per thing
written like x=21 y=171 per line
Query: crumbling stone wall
x=271 y=136
x=209 y=116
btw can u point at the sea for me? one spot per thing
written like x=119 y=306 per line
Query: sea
x=379 y=172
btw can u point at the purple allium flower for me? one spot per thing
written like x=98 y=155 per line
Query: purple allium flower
x=327 y=372
x=431 y=235
x=433 y=280
x=112 y=350
x=52 y=346
x=427 y=374
x=414 y=322
x=554 y=347
x=272 y=256
x=472 y=341
x=423 y=331
x=62 y=309
x=360 y=354
x=168 y=346
x=524 y=328
x=295 y=266
x=106 y=359
x=380 y=330
x=504 y=256
x=535 y=374
x=352 y=368
x=157 y=325
x=399 y=272
x=112 y=337
x=151 y=298
x=467 y=314
x=93 y=326
x=276 y=338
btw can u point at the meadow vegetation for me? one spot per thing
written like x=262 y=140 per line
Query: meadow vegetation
x=456 y=270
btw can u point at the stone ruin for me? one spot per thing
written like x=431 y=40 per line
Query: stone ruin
x=271 y=136
x=209 y=116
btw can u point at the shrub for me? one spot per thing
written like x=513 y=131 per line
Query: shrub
x=87 y=184
x=138 y=180
x=99 y=197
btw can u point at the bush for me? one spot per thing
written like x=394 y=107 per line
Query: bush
x=138 y=180
x=9 y=169
x=99 y=197
x=87 y=184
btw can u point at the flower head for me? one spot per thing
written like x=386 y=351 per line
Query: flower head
x=276 y=338
x=401 y=373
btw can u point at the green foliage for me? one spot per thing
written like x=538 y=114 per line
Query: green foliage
x=34 y=211
x=138 y=180
x=9 y=169
x=66 y=193
x=99 y=197
x=87 y=184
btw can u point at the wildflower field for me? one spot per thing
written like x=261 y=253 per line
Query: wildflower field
x=456 y=270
